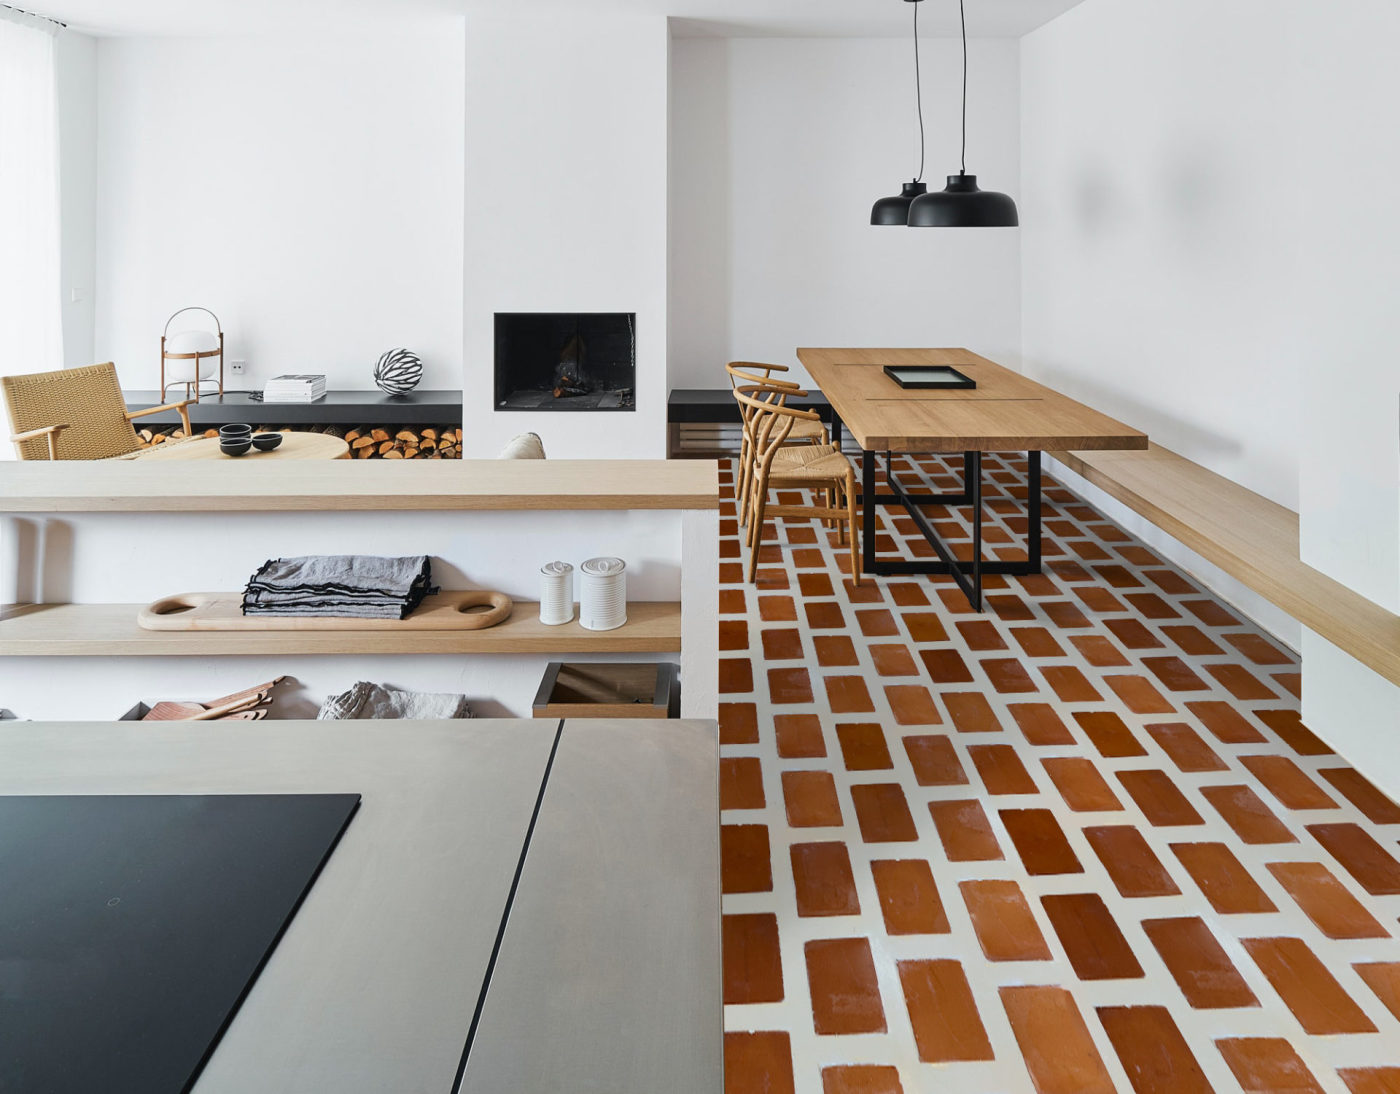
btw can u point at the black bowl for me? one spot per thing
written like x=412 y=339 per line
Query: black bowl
x=235 y=447
x=266 y=442
x=237 y=430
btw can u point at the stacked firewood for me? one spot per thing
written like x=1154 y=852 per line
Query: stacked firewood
x=366 y=442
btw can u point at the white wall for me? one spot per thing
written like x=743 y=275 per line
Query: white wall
x=779 y=147
x=75 y=65
x=566 y=205
x=305 y=186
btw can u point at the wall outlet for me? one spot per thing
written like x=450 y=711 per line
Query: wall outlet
x=238 y=368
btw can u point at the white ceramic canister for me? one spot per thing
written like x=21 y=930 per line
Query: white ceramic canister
x=602 y=601
x=556 y=593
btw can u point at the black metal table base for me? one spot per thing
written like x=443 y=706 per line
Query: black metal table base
x=967 y=573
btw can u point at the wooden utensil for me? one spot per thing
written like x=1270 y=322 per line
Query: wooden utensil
x=183 y=712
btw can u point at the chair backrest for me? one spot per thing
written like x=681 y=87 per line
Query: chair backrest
x=770 y=421
x=745 y=378
x=88 y=400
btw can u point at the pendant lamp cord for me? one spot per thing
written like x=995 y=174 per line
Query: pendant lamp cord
x=962 y=15
x=918 y=93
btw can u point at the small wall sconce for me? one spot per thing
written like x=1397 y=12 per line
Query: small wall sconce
x=187 y=356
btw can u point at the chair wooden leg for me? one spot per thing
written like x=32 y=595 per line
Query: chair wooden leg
x=834 y=501
x=756 y=533
x=851 y=518
x=742 y=485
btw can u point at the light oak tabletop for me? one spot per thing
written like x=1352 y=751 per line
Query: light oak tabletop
x=1006 y=412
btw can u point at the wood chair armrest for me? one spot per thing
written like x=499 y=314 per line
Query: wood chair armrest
x=180 y=406
x=49 y=431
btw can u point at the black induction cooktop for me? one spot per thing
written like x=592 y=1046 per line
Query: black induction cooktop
x=131 y=928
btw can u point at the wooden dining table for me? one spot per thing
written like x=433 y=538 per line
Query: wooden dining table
x=1004 y=412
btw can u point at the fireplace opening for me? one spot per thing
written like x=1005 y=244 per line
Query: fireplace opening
x=566 y=361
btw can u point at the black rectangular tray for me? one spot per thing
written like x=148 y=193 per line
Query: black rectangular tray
x=928 y=376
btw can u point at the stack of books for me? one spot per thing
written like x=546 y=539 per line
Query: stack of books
x=295 y=388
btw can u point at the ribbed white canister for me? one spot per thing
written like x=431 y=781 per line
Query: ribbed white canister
x=556 y=593
x=602 y=601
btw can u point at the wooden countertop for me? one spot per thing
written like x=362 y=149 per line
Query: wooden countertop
x=1006 y=412
x=362 y=485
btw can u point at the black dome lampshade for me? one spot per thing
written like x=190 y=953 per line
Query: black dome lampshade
x=894 y=211
x=963 y=204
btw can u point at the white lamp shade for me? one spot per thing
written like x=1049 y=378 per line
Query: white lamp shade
x=191 y=341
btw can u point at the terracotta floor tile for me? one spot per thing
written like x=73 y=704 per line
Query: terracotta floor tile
x=970 y=712
x=1326 y=901
x=981 y=635
x=1244 y=811
x=1267 y=1065
x=1056 y=1045
x=1192 y=640
x=943 y=1012
x=863 y=746
x=1040 y=841
x=1005 y=926
x=1358 y=790
x=965 y=831
x=822 y=878
x=1151 y=606
x=1383 y=978
x=810 y=799
x=1320 y=1004
x=912 y=705
x=1010 y=608
x=925 y=627
x=789 y=686
x=1211 y=613
x=1259 y=649
x=1187 y=748
x=731 y=573
x=1240 y=682
x=876 y=623
x=1090 y=936
x=1079 y=782
x=1071 y=685
x=1291 y=682
x=1065 y=615
x=740 y=782
x=866 y=593
x=732 y=602
x=735 y=676
x=738 y=724
x=733 y=634
x=1288 y=724
x=1040 y=724
x=934 y=760
x=907 y=594
x=1008 y=675
x=782 y=645
x=946 y=666
x=1154 y=1053
x=745 y=865
x=758 y=1062
x=1001 y=770
x=1138 y=694
x=1285 y=781
x=1198 y=963
x=1227 y=724
x=776 y=609
x=815 y=585
x=1160 y=799
x=861 y=1079
x=753 y=968
x=1118 y=576
x=1109 y=734
x=824 y=615
x=1133 y=633
x=799 y=736
x=845 y=994
x=1371 y=1080
x=1222 y=879
x=848 y=695
x=834 y=650
x=1174 y=674
x=893 y=660
x=883 y=813
x=1373 y=867
x=1134 y=868
x=909 y=899
x=1098 y=651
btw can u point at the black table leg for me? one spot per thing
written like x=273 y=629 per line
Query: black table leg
x=867 y=512
x=1033 y=510
x=972 y=462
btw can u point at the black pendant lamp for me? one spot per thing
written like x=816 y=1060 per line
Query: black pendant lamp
x=894 y=211
x=962 y=204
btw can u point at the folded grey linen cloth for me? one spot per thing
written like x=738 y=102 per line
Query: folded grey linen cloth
x=353 y=586
x=366 y=700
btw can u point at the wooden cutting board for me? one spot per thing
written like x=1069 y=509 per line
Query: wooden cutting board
x=464 y=610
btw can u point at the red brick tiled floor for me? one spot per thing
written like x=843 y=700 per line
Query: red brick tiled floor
x=1077 y=844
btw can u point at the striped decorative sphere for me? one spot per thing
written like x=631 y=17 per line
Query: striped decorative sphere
x=398 y=372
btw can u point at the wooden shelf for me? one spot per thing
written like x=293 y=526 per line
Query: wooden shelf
x=173 y=486
x=1251 y=538
x=108 y=630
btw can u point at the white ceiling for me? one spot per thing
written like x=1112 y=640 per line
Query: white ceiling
x=691 y=18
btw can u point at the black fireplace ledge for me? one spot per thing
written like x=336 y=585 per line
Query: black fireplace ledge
x=711 y=405
x=348 y=408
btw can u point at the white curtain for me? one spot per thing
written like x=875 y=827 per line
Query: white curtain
x=31 y=315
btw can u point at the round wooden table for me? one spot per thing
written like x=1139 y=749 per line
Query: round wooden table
x=294 y=446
